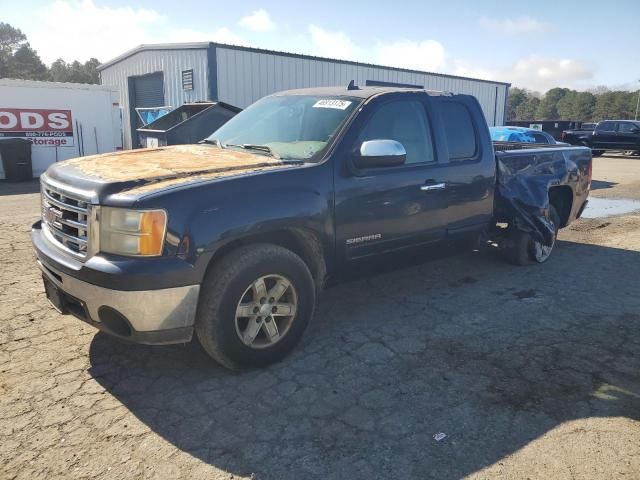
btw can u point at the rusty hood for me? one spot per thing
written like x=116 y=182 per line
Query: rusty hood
x=137 y=172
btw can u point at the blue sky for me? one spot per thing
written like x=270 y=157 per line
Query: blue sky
x=536 y=45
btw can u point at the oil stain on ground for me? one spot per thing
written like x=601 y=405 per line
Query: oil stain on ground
x=522 y=294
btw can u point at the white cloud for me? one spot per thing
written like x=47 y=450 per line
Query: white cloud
x=464 y=70
x=425 y=55
x=534 y=72
x=331 y=44
x=418 y=55
x=221 y=35
x=80 y=30
x=542 y=73
x=514 y=25
x=258 y=21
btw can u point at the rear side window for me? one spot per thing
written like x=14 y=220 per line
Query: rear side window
x=460 y=131
x=607 y=127
x=627 y=128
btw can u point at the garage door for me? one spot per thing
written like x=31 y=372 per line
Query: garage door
x=145 y=91
x=149 y=90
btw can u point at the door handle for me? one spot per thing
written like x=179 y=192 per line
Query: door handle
x=433 y=186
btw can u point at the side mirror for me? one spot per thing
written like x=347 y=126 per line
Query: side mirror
x=380 y=153
x=635 y=130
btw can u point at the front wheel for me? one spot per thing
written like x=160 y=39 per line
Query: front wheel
x=523 y=249
x=254 y=306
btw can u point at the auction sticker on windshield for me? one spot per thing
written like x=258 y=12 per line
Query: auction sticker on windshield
x=327 y=103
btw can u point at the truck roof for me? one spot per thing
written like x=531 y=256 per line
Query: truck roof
x=635 y=122
x=359 y=92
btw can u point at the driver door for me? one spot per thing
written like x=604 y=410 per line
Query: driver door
x=628 y=136
x=389 y=208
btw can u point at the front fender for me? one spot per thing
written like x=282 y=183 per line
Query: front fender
x=211 y=216
x=264 y=212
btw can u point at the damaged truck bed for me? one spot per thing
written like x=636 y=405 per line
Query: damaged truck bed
x=530 y=179
x=231 y=240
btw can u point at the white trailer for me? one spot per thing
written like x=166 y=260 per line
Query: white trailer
x=62 y=120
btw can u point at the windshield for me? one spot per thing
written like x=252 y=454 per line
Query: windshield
x=296 y=127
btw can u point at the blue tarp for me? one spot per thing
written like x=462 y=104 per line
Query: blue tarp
x=148 y=115
x=510 y=135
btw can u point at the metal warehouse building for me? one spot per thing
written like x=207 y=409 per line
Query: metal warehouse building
x=173 y=74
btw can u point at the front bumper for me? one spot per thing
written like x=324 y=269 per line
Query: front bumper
x=153 y=316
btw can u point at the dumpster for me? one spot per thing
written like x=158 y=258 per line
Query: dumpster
x=188 y=123
x=16 y=159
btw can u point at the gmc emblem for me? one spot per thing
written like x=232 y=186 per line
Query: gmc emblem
x=51 y=215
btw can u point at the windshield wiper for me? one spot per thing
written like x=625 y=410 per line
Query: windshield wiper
x=251 y=146
x=213 y=141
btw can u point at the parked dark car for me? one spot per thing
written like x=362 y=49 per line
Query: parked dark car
x=590 y=126
x=621 y=135
x=233 y=239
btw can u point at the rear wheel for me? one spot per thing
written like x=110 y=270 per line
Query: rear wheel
x=524 y=249
x=254 y=306
x=597 y=153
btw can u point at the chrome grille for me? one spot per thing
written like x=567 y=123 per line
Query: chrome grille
x=65 y=216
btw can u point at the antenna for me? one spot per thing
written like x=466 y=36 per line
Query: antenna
x=352 y=85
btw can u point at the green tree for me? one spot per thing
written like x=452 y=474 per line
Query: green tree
x=17 y=58
x=76 y=72
x=516 y=97
x=615 y=105
x=583 y=106
x=622 y=105
x=527 y=110
x=565 y=107
x=26 y=64
x=604 y=106
x=11 y=39
x=548 y=109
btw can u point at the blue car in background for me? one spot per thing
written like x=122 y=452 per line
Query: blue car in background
x=522 y=135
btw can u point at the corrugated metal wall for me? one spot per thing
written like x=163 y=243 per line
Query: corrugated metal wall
x=172 y=63
x=245 y=76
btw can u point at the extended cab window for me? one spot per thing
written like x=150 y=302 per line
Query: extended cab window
x=607 y=127
x=404 y=121
x=627 y=128
x=460 y=131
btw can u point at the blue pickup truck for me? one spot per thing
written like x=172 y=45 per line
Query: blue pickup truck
x=231 y=240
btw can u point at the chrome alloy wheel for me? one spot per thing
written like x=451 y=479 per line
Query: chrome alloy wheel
x=542 y=252
x=266 y=311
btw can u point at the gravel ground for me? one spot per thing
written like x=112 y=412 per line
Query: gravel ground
x=530 y=372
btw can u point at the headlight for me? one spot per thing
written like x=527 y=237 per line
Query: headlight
x=132 y=232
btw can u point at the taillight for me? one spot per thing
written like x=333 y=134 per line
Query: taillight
x=563 y=135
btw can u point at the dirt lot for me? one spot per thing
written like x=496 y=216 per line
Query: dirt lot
x=531 y=373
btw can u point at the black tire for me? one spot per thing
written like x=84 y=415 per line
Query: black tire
x=517 y=249
x=597 y=153
x=520 y=249
x=223 y=288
